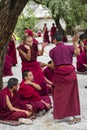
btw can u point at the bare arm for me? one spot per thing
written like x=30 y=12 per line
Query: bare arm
x=37 y=86
x=12 y=108
x=48 y=65
x=75 y=42
x=40 y=52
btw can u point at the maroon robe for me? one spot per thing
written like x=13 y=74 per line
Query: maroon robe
x=82 y=59
x=65 y=86
x=7 y=70
x=12 y=52
x=5 y=112
x=31 y=94
x=34 y=67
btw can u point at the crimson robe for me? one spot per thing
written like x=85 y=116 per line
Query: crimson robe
x=46 y=36
x=12 y=52
x=65 y=92
x=5 y=112
x=7 y=69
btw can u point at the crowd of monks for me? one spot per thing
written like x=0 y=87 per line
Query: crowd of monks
x=57 y=78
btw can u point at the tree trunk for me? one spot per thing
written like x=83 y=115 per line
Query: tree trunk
x=9 y=12
x=60 y=29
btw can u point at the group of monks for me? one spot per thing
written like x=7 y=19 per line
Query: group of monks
x=58 y=78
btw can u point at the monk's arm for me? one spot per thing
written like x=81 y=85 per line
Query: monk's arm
x=12 y=108
x=75 y=42
x=51 y=65
x=45 y=103
x=27 y=55
x=40 y=52
x=37 y=86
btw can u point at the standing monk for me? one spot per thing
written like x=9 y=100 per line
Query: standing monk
x=45 y=34
x=12 y=50
x=28 y=52
x=65 y=86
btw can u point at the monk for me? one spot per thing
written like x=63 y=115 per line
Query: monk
x=83 y=38
x=82 y=60
x=65 y=86
x=29 y=92
x=52 y=32
x=45 y=34
x=11 y=106
x=7 y=69
x=12 y=50
x=28 y=52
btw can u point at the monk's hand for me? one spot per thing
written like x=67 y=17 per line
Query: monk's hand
x=27 y=47
x=75 y=38
x=27 y=113
x=28 y=82
x=42 y=64
x=48 y=105
x=44 y=44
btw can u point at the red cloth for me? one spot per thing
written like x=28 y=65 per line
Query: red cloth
x=65 y=92
x=12 y=52
x=28 y=92
x=30 y=32
x=7 y=70
x=5 y=112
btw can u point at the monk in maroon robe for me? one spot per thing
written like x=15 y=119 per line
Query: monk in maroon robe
x=11 y=106
x=28 y=52
x=29 y=93
x=7 y=69
x=82 y=59
x=65 y=86
x=52 y=32
x=12 y=51
x=45 y=34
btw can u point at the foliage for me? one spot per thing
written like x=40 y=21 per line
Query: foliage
x=25 y=20
x=72 y=11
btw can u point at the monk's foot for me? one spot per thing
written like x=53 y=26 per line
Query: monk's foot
x=74 y=120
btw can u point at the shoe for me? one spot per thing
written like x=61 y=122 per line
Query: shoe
x=25 y=121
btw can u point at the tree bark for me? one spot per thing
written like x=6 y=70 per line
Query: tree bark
x=9 y=12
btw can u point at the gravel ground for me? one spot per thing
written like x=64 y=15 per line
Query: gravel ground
x=46 y=122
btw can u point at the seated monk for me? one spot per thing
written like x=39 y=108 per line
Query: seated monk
x=11 y=106
x=82 y=60
x=29 y=91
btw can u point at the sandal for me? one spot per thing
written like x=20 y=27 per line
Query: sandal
x=74 y=121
